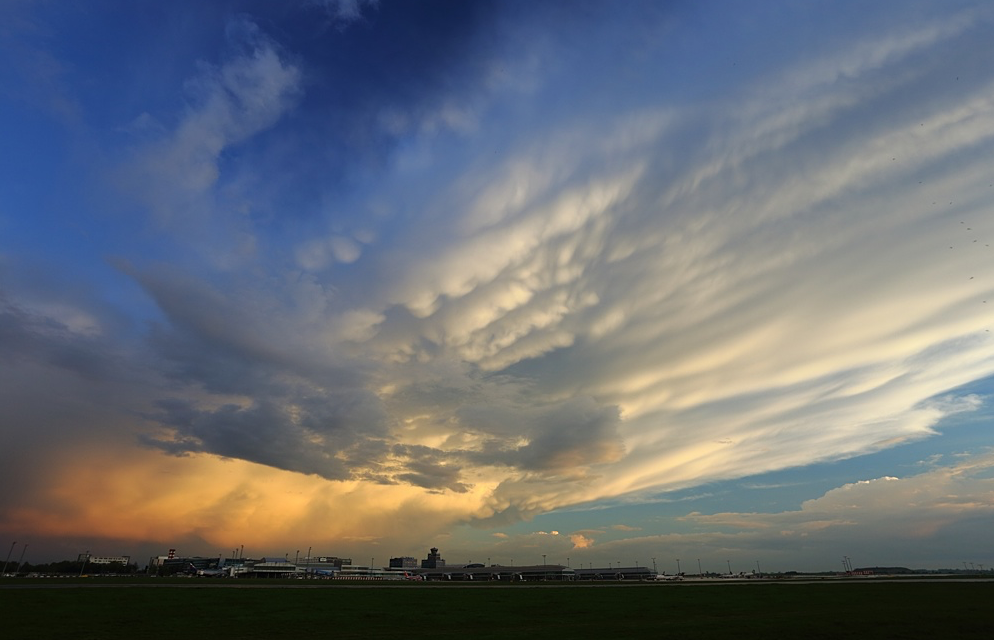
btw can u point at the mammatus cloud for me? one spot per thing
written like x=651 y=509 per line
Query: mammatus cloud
x=608 y=321
x=533 y=299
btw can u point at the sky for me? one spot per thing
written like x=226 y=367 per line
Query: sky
x=580 y=282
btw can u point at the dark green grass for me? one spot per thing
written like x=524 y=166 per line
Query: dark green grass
x=225 y=610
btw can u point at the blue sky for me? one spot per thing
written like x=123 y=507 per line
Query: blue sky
x=642 y=279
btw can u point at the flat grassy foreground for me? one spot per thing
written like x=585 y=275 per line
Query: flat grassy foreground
x=232 y=609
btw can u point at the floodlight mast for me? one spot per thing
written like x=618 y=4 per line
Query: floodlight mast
x=21 y=559
x=12 y=545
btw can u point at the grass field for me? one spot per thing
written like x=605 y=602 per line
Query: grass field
x=226 y=609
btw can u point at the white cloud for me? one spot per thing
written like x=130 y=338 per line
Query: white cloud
x=941 y=502
x=780 y=295
x=344 y=11
x=246 y=94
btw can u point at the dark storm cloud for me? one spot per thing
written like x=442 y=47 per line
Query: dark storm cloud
x=265 y=433
x=307 y=413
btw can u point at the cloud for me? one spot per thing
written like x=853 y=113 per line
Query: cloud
x=344 y=12
x=581 y=541
x=506 y=296
x=890 y=520
x=587 y=317
x=176 y=175
x=317 y=254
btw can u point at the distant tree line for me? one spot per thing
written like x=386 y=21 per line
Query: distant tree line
x=72 y=567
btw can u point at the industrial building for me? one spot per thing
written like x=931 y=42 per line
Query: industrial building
x=86 y=557
x=405 y=562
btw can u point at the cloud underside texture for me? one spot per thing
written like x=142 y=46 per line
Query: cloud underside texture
x=525 y=309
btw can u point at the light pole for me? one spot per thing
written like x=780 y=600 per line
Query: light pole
x=700 y=571
x=758 y=570
x=296 y=558
x=678 y=572
x=543 y=559
x=21 y=559
x=729 y=566
x=12 y=545
x=654 y=565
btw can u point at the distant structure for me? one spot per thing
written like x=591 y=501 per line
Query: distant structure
x=433 y=561
x=170 y=564
x=85 y=557
x=325 y=562
x=405 y=562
